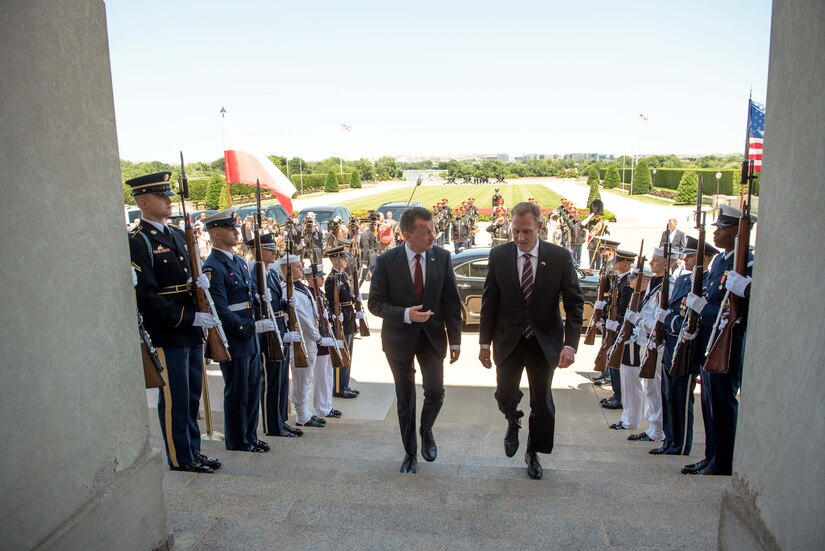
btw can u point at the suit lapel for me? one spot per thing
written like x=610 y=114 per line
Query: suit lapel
x=542 y=267
x=431 y=270
x=404 y=269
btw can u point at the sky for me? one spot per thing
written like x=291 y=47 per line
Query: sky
x=436 y=78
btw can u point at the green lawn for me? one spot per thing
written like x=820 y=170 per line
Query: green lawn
x=641 y=198
x=429 y=195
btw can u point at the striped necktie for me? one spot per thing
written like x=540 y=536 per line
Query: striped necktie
x=527 y=289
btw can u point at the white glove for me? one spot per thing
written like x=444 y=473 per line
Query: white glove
x=600 y=305
x=291 y=336
x=661 y=315
x=341 y=318
x=267 y=296
x=359 y=298
x=292 y=300
x=359 y=315
x=202 y=319
x=325 y=314
x=632 y=317
x=262 y=326
x=723 y=323
x=134 y=277
x=327 y=341
x=339 y=344
x=612 y=325
x=737 y=284
x=695 y=302
x=202 y=282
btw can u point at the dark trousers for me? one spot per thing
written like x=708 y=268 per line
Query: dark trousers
x=342 y=374
x=275 y=393
x=432 y=374
x=576 y=251
x=178 y=403
x=542 y=420
x=616 y=383
x=725 y=407
x=447 y=231
x=707 y=416
x=677 y=406
x=241 y=400
x=595 y=259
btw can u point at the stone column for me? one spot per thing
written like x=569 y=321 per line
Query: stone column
x=77 y=470
x=776 y=499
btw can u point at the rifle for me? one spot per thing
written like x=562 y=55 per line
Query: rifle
x=298 y=351
x=215 y=336
x=364 y=329
x=609 y=336
x=601 y=294
x=152 y=367
x=683 y=353
x=337 y=326
x=323 y=321
x=650 y=356
x=614 y=358
x=719 y=345
x=274 y=345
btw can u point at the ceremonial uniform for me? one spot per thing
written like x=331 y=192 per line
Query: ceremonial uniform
x=233 y=292
x=303 y=378
x=624 y=293
x=341 y=387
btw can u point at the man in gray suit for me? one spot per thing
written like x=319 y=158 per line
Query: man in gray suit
x=413 y=290
x=678 y=241
x=520 y=318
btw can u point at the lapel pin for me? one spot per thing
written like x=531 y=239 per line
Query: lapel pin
x=543 y=263
x=153 y=232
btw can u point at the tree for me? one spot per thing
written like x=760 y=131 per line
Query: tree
x=611 y=177
x=688 y=188
x=223 y=199
x=641 y=179
x=387 y=165
x=364 y=166
x=593 y=182
x=213 y=192
x=331 y=185
x=355 y=179
x=127 y=195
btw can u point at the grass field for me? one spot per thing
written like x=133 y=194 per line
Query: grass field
x=429 y=195
x=650 y=199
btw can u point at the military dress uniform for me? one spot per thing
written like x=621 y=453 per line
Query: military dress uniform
x=341 y=384
x=164 y=298
x=624 y=292
x=233 y=292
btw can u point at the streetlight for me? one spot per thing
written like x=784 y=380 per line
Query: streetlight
x=654 y=177
x=718 y=177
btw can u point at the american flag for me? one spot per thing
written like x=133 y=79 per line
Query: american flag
x=756 y=134
x=346 y=128
x=641 y=116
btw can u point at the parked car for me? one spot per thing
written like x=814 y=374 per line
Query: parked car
x=397 y=208
x=275 y=211
x=323 y=214
x=131 y=214
x=470 y=267
x=194 y=215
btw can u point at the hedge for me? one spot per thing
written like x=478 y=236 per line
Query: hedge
x=670 y=177
x=311 y=181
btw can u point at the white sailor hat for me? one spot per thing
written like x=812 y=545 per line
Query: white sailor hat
x=289 y=259
x=660 y=251
x=225 y=219
x=319 y=267
x=729 y=216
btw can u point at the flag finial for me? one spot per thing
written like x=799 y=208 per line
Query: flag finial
x=223 y=111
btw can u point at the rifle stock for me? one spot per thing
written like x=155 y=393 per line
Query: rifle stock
x=298 y=351
x=363 y=328
x=338 y=327
x=274 y=346
x=323 y=322
x=616 y=353
x=601 y=294
x=609 y=336
x=650 y=357
x=215 y=337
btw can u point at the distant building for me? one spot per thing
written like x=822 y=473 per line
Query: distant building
x=414 y=175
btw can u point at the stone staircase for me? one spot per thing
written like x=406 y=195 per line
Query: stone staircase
x=339 y=488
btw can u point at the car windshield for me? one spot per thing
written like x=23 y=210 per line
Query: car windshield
x=321 y=218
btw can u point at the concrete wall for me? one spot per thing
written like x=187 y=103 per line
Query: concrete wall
x=77 y=471
x=776 y=499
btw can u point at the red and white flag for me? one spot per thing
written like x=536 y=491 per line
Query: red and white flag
x=346 y=127
x=246 y=166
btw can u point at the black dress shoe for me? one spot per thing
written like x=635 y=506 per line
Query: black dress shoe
x=194 y=467
x=428 y=448
x=346 y=394
x=511 y=439
x=210 y=462
x=612 y=404
x=334 y=414
x=534 y=469
x=618 y=426
x=293 y=430
x=704 y=471
x=692 y=468
x=640 y=437
x=261 y=444
x=253 y=449
x=353 y=390
x=408 y=465
x=283 y=433
x=319 y=419
x=313 y=422
x=599 y=381
x=658 y=451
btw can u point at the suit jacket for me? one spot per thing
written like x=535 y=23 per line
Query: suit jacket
x=505 y=314
x=679 y=241
x=391 y=292
x=231 y=284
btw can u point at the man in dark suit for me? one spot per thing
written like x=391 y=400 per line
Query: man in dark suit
x=413 y=290
x=677 y=237
x=520 y=318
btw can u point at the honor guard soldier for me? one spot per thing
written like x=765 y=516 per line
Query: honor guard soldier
x=233 y=291
x=322 y=375
x=472 y=217
x=621 y=265
x=275 y=386
x=607 y=251
x=496 y=197
x=165 y=300
x=448 y=217
x=722 y=388
x=677 y=390
x=338 y=277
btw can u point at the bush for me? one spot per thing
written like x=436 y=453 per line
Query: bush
x=593 y=182
x=355 y=180
x=197 y=189
x=343 y=179
x=642 y=183
x=688 y=188
x=223 y=199
x=213 y=193
x=664 y=194
x=127 y=195
x=331 y=185
x=611 y=177
x=311 y=182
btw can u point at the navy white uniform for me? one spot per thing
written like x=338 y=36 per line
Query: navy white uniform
x=233 y=292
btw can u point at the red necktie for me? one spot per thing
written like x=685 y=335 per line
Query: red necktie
x=418 y=280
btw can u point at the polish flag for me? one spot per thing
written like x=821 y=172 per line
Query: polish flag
x=246 y=166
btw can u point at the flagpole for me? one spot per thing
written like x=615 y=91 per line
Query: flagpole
x=228 y=195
